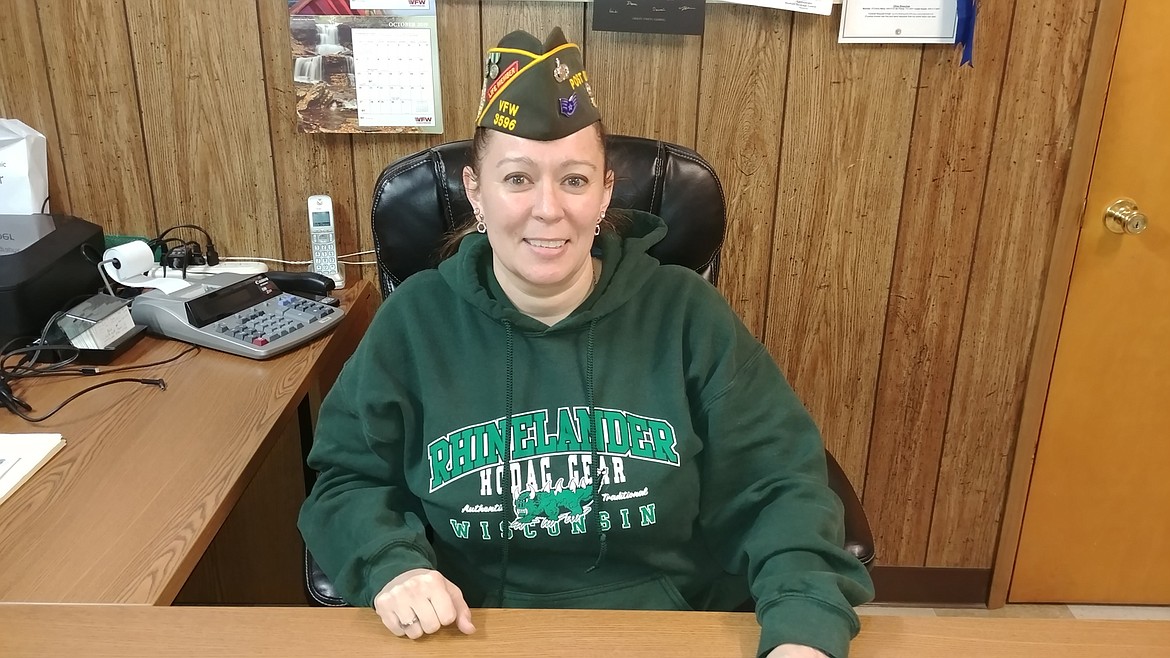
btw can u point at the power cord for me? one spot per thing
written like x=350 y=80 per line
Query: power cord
x=57 y=369
x=304 y=262
x=192 y=248
x=20 y=407
x=269 y=260
x=30 y=365
x=187 y=253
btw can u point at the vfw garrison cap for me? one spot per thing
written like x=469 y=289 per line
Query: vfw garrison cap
x=537 y=91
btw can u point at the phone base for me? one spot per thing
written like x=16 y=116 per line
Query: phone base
x=338 y=279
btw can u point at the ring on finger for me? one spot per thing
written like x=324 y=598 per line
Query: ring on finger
x=412 y=622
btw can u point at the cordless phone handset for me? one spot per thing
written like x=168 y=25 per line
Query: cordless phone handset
x=321 y=235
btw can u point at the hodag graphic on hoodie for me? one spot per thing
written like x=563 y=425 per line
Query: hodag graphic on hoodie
x=551 y=467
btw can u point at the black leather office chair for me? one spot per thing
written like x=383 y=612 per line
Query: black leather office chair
x=420 y=198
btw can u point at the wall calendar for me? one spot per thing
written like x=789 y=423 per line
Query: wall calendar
x=366 y=66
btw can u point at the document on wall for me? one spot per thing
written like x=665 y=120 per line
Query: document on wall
x=21 y=455
x=903 y=21
x=822 y=7
x=650 y=16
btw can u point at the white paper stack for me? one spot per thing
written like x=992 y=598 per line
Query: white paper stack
x=21 y=455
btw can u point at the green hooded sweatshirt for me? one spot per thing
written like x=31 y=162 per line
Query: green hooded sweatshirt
x=701 y=485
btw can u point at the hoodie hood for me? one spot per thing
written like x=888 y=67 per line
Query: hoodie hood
x=625 y=269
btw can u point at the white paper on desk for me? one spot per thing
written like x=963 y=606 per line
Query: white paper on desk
x=822 y=7
x=165 y=284
x=21 y=455
x=903 y=21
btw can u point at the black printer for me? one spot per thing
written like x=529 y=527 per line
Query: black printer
x=43 y=267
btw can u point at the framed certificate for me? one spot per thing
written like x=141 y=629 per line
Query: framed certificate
x=904 y=21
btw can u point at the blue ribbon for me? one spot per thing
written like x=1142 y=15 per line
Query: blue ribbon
x=965 y=30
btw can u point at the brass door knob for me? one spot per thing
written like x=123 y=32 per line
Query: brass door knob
x=1123 y=217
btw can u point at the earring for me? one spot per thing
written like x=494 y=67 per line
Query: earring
x=597 y=229
x=480 y=226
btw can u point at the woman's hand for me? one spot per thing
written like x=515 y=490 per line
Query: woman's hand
x=421 y=601
x=795 y=651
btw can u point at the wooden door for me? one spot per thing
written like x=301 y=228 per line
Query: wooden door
x=1097 y=523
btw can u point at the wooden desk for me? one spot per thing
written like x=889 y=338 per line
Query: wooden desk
x=127 y=508
x=133 y=631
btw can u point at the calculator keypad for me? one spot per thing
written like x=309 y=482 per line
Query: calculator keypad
x=278 y=318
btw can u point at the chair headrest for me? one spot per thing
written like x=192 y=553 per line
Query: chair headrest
x=419 y=199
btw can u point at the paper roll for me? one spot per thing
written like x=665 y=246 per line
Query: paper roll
x=130 y=259
x=129 y=263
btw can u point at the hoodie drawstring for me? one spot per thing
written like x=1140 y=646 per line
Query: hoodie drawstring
x=506 y=501
x=506 y=491
x=593 y=448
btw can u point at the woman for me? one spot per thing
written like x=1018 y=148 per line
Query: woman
x=657 y=458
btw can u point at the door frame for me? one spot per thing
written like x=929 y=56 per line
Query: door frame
x=1099 y=70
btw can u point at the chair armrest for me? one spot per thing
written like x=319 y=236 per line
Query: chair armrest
x=319 y=587
x=858 y=538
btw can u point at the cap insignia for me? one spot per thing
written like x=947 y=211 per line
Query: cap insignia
x=569 y=105
x=561 y=72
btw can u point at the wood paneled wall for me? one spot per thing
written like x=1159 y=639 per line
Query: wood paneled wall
x=891 y=214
